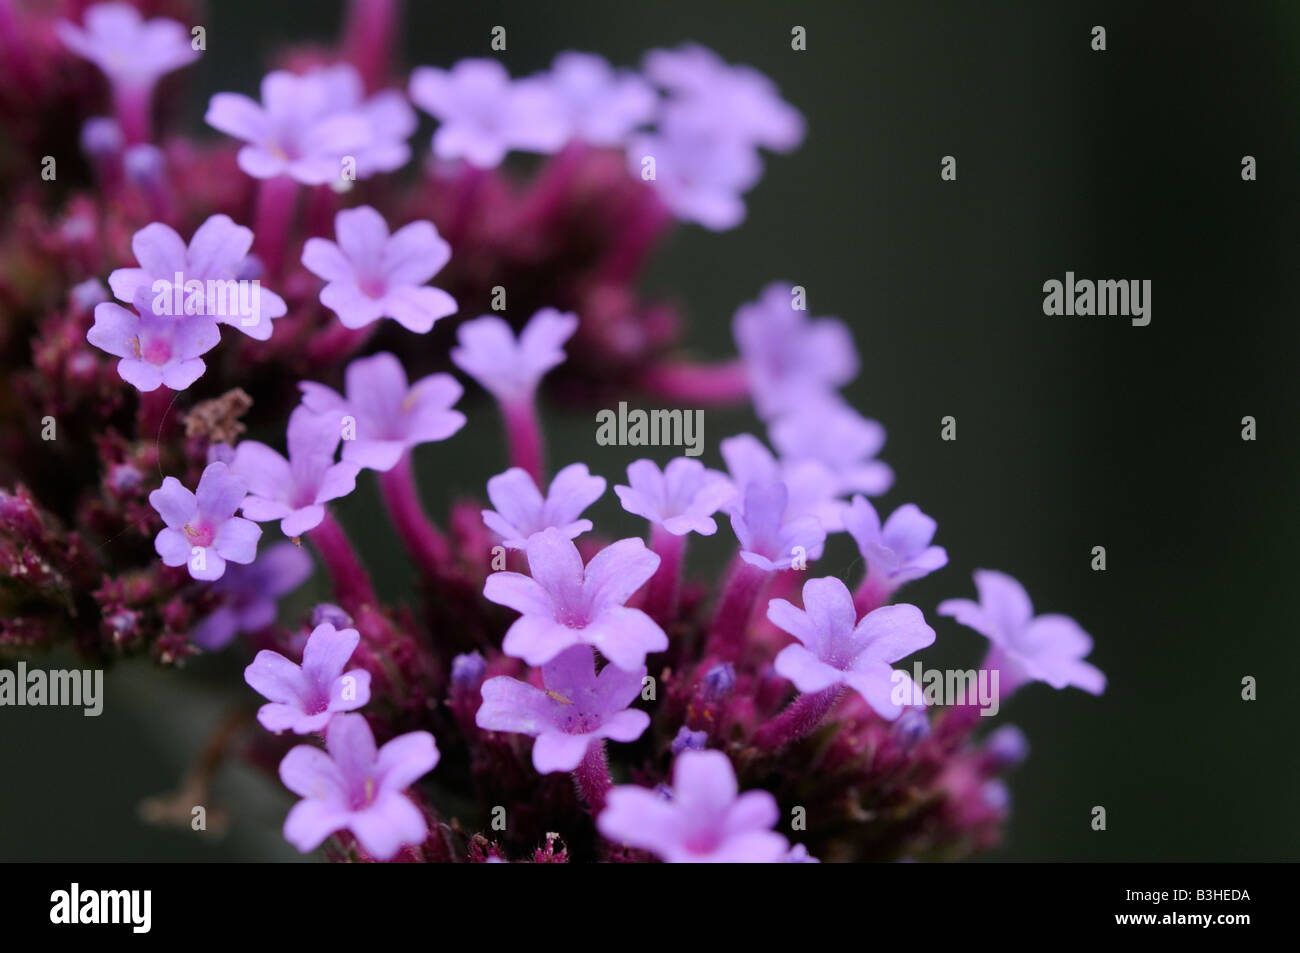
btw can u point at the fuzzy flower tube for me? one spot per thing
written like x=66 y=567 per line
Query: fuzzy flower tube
x=264 y=345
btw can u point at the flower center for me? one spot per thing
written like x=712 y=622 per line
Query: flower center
x=157 y=351
x=373 y=287
x=200 y=535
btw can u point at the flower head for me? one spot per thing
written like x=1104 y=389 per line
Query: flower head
x=294 y=491
x=381 y=418
x=769 y=539
x=900 y=550
x=576 y=708
x=247 y=595
x=507 y=367
x=307 y=125
x=521 y=511
x=371 y=274
x=792 y=361
x=565 y=603
x=303 y=698
x=601 y=105
x=155 y=350
x=217 y=252
x=836 y=651
x=483 y=113
x=202 y=529
x=128 y=49
x=704 y=819
x=681 y=498
x=1025 y=647
x=351 y=785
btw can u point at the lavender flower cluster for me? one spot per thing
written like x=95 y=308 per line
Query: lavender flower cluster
x=760 y=719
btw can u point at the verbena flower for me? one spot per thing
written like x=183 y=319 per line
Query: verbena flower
x=521 y=510
x=681 y=498
x=381 y=417
x=352 y=786
x=839 y=438
x=128 y=49
x=838 y=649
x=370 y=274
x=483 y=114
x=202 y=529
x=217 y=252
x=247 y=594
x=155 y=350
x=769 y=540
x=565 y=603
x=507 y=367
x=1025 y=647
x=600 y=105
x=897 y=551
x=575 y=708
x=295 y=490
x=813 y=488
x=703 y=820
x=303 y=698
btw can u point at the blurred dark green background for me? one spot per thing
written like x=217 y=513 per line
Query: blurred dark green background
x=1072 y=432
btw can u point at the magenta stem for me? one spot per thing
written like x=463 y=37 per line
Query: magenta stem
x=524 y=435
x=664 y=590
x=726 y=383
x=552 y=187
x=131 y=106
x=745 y=583
x=352 y=585
x=277 y=200
x=368 y=39
x=803 y=715
x=592 y=776
x=647 y=221
x=871 y=594
x=425 y=544
x=469 y=191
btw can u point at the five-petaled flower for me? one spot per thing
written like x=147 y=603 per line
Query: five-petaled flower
x=898 y=551
x=600 y=105
x=837 y=649
x=521 y=511
x=1046 y=648
x=574 y=709
x=202 y=529
x=303 y=698
x=769 y=540
x=702 y=820
x=565 y=603
x=370 y=274
x=681 y=498
x=351 y=785
x=247 y=594
x=507 y=367
x=155 y=350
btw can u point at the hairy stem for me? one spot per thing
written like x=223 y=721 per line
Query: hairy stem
x=524 y=437
x=803 y=715
x=664 y=590
x=744 y=586
x=592 y=776
x=352 y=585
x=425 y=544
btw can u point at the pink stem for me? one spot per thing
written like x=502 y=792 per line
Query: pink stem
x=369 y=31
x=683 y=382
x=647 y=221
x=745 y=583
x=871 y=594
x=423 y=541
x=337 y=342
x=548 y=195
x=665 y=585
x=131 y=106
x=524 y=436
x=592 y=776
x=277 y=200
x=352 y=585
x=469 y=187
x=803 y=715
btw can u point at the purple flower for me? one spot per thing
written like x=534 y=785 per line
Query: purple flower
x=703 y=821
x=508 y=368
x=838 y=437
x=681 y=498
x=217 y=252
x=202 y=528
x=521 y=511
x=799 y=855
x=565 y=604
x=303 y=699
x=294 y=491
x=248 y=595
x=699 y=172
x=576 y=708
x=1025 y=647
x=380 y=419
x=688 y=740
x=740 y=100
x=306 y=126
x=353 y=786
x=600 y=105
x=130 y=51
x=1006 y=747
x=769 y=540
x=370 y=274
x=483 y=113
x=900 y=550
x=155 y=350
x=835 y=651
x=792 y=361
x=812 y=487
